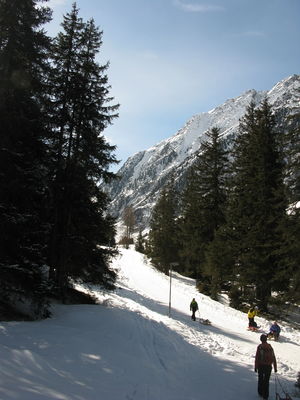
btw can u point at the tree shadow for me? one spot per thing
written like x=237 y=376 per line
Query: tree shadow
x=91 y=352
x=111 y=357
x=163 y=310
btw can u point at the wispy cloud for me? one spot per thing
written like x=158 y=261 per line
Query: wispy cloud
x=197 y=7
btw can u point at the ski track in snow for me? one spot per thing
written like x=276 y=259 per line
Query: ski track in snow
x=219 y=339
x=128 y=348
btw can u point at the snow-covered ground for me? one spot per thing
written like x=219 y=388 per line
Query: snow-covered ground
x=128 y=348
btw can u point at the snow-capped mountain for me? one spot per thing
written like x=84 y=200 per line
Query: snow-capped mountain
x=145 y=173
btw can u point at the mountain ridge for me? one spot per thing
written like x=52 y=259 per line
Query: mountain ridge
x=144 y=174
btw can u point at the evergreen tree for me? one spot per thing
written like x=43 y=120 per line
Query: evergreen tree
x=140 y=243
x=81 y=155
x=203 y=203
x=292 y=154
x=257 y=206
x=218 y=262
x=129 y=222
x=23 y=153
x=291 y=252
x=190 y=228
x=162 y=242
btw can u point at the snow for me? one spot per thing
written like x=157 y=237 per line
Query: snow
x=128 y=348
x=145 y=173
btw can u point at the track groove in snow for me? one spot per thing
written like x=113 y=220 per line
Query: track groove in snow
x=127 y=348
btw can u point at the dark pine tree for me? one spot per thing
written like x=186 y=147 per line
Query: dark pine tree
x=291 y=252
x=23 y=153
x=257 y=206
x=190 y=228
x=162 y=242
x=140 y=243
x=81 y=156
x=218 y=263
x=129 y=222
x=203 y=205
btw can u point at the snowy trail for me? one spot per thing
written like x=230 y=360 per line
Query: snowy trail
x=227 y=335
x=128 y=348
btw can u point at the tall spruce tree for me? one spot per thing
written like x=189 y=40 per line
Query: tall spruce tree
x=257 y=206
x=23 y=155
x=190 y=228
x=203 y=203
x=140 y=242
x=129 y=222
x=81 y=110
x=162 y=243
x=291 y=259
x=218 y=263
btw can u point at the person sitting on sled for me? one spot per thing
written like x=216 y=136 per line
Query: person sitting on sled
x=274 y=331
x=251 y=314
x=193 y=308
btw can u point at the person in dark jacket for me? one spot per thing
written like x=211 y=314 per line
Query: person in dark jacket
x=274 y=331
x=193 y=308
x=264 y=359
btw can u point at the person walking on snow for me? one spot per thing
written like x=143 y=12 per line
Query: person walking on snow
x=264 y=359
x=193 y=308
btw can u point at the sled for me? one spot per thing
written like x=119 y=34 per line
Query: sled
x=285 y=397
x=253 y=328
x=273 y=337
x=204 y=321
x=279 y=387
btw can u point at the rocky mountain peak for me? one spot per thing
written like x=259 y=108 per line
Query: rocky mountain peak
x=145 y=173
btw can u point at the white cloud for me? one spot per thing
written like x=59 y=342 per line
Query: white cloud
x=197 y=7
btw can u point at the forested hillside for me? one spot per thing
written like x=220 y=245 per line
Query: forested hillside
x=235 y=224
x=144 y=174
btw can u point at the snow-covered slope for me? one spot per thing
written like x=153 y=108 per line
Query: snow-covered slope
x=145 y=173
x=128 y=348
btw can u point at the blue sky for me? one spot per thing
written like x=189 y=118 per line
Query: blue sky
x=171 y=59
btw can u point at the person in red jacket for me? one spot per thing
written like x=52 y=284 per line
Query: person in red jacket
x=264 y=359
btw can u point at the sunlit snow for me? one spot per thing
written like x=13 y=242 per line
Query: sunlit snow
x=128 y=348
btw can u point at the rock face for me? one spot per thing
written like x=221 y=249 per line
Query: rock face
x=145 y=173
